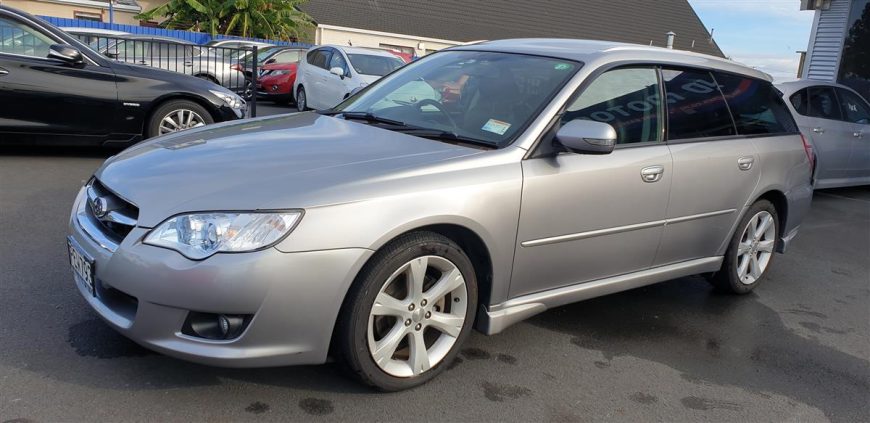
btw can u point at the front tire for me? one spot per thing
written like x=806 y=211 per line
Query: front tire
x=177 y=115
x=408 y=313
x=751 y=250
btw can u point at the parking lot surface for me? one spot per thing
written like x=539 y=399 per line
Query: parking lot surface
x=796 y=349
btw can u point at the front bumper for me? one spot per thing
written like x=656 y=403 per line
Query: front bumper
x=146 y=293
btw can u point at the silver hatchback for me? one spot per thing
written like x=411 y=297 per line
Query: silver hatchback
x=473 y=188
x=836 y=121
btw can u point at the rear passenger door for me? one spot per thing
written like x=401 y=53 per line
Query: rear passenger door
x=316 y=76
x=586 y=217
x=715 y=170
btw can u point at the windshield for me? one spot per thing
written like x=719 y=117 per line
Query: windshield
x=485 y=96
x=366 y=64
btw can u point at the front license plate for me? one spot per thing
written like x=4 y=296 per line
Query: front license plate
x=81 y=265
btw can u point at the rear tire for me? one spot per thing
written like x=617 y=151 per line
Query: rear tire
x=172 y=108
x=751 y=250
x=394 y=333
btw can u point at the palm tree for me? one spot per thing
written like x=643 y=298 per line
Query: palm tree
x=271 y=19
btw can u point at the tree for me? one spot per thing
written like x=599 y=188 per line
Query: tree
x=270 y=19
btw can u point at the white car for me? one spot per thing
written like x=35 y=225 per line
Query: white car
x=329 y=74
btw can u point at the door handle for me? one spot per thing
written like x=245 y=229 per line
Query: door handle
x=745 y=163
x=819 y=130
x=188 y=64
x=3 y=72
x=859 y=134
x=652 y=173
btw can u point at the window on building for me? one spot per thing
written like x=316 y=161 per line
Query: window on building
x=756 y=106
x=627 y=99
x=88 y=16
x=696 y=108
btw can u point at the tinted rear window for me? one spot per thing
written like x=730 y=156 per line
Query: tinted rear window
x=696 y=108
x=366 y=64
x=756 y=106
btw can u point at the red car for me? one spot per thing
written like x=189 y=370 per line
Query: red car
x=275 y=82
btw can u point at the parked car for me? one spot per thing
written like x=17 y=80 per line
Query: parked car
x=384 y=230
x=276 y=82
x=234 y=43
x=57 y=90
x=836 y=120
x=329 y=74
x=97 y=38
x=178 y=55
x=268 y=55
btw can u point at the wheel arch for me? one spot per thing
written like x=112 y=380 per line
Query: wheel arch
x=468 y=240
x=780 y=203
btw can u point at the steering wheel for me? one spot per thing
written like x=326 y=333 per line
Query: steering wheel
x=430 y=102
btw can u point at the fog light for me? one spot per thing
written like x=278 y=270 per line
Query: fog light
x=274 y=88
x=215 y=326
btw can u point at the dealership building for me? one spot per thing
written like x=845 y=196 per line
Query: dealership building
x=839 y=47
x=419 y=27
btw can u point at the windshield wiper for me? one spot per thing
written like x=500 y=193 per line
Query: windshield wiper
x=447 y=136
x=366 y=116
x=404 y=128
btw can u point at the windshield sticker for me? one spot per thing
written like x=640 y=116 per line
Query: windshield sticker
x=562 y=66
x=496 y=126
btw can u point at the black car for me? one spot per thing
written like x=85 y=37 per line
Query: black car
x=54 y=89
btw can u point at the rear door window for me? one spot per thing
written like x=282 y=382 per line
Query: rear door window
x=628 y=99
x=854 y=108
x=696 y=108
x=757 y=107
x=822 y=103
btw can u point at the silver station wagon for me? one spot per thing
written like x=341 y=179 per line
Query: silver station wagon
x=471 y=189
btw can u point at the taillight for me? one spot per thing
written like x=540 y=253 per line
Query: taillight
x=236 y=67
x=809 y=150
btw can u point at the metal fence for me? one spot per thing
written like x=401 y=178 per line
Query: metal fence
x=232 y=68
x=190 y=36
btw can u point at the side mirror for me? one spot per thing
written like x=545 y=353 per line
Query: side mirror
x=587 y=137
x=65 y=53
x=337 y=71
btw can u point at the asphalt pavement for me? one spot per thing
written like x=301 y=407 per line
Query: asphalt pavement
x=796 y=349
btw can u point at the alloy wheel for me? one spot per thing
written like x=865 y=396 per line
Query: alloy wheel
x=756 y=247
x=179 y=120
x=417 y=316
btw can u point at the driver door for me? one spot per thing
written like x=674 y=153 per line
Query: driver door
x=586 y=217
x=48 y=100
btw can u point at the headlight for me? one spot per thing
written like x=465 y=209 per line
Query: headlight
x=199 y=235
x=229 y=99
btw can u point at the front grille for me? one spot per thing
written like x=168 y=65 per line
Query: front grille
x=116 y=216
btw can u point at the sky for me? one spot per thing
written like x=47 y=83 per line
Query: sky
x=764 y=34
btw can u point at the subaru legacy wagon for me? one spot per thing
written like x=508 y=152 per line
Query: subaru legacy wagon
x=474 y=188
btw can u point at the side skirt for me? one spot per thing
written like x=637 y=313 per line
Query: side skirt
x=498 y=317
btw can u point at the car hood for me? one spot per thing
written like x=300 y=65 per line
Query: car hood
x=290 y=161
x=368 y=79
